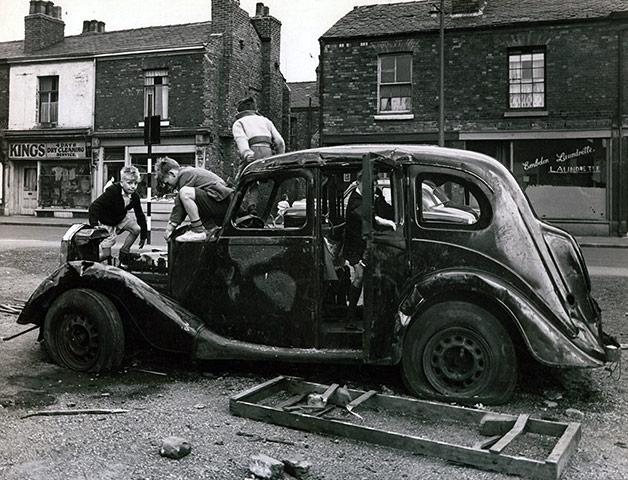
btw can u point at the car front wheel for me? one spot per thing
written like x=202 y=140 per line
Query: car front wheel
x=457 y=351
x=83 y=331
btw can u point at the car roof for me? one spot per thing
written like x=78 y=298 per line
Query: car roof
x=483 y=166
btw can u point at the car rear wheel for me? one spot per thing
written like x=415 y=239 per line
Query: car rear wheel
x=83 y=331
x=457 y=351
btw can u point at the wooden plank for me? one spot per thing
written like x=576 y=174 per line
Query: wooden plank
x=489 y=442
x=523 y=467
x=260 y=391
x=518 y=428
x=292 y=400
x=564 y=448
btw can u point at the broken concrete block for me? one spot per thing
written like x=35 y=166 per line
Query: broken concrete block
x=343 y=397
x=574 y=414
x=495 y=424
x=550 y=403
x=266 y=467
x=296 y=465
x=175 y=447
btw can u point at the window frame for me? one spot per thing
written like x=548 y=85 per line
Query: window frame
x=534 y=81
x=484 y=203
x=278 y=177
x=380 y=83
x=154 y=91
x=45 y=103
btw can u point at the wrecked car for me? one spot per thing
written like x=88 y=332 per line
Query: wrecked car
x=455 y=298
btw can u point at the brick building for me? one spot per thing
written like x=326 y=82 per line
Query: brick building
x=72 y=108
x=303 y=116
x=539 y=85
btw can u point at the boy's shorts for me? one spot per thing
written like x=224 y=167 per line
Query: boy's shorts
x=115 y=230
x=210 y=208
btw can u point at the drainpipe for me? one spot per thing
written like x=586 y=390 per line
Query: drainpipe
x=321 y=89
x=620 y=149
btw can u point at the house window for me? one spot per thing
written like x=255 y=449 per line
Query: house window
x=395 y=83
x=156 y=93
x=527 y=78
x=48 y=100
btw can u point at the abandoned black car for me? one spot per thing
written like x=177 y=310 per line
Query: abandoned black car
x=456 y=286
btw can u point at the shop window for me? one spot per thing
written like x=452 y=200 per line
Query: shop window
x=526 y=73
x=156 y=93
x=395 y=83
x=49 y=100
x=447 y=201
x=563 y=179
x=65 y=185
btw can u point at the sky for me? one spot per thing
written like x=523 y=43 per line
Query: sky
x=303 y=21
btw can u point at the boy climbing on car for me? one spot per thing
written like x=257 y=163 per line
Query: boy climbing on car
x=202 y=195
x=111 y=211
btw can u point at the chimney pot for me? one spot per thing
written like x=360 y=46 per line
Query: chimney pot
x=39 y=7
x=33 y=7
x=85 y=26
x=101 y=26
x=93 y=25
x=58 y=12
x=48 y=6
x=259 y=9
x=266 y=10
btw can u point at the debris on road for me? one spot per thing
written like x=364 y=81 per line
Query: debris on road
x=266 y=467
x=393 y=421
x=93 y=411
x=296 y=465
x=175 y=447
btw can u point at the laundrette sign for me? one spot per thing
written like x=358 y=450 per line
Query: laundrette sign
x=47 y=150
x=563 y=162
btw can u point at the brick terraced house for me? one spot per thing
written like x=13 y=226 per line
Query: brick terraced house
x=540 y=85
x=72 y=108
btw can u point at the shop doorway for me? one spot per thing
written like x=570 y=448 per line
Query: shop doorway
x=28 y=189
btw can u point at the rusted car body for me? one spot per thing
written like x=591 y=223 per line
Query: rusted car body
x=454 y=303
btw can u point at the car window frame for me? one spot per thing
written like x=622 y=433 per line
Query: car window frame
x=479 y=189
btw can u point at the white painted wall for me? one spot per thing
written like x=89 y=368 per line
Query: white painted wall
x=76 y=94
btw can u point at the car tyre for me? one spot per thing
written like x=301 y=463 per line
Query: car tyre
x=83 y=331
x=457 y=351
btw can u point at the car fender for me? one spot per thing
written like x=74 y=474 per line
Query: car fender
x=545 y=339
x=160 y=320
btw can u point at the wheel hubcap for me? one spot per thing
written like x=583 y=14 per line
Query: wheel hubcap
x=79 y=341
x=457 y=361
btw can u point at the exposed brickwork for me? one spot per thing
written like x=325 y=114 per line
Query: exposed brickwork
x=581 y=86
x=120 y=92
x=42 y=31
x=4 y=96
x=464 y=6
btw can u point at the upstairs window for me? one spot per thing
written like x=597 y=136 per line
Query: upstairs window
x=49 y=100
x=527 y=78
x=156 y=93
x=395 y=83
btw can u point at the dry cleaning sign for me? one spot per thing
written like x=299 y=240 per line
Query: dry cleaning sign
x=47 y=150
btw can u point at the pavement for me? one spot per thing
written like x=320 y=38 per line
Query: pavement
x=584 y=241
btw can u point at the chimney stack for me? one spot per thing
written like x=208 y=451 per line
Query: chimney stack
x=43 y=26
x=93 y=26
x=259 y=9
x=465 y=6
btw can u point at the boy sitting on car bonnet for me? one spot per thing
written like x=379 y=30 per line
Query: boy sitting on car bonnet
x=202 y=195
x=111 y=211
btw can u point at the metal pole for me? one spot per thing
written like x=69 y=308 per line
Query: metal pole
x=149 y=169
x=441 y=98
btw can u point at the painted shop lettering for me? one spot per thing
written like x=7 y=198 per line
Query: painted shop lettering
x=560 y=158
x=21 y=150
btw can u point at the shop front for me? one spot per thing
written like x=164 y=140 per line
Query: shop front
x=567 y=180
x=48 y=177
